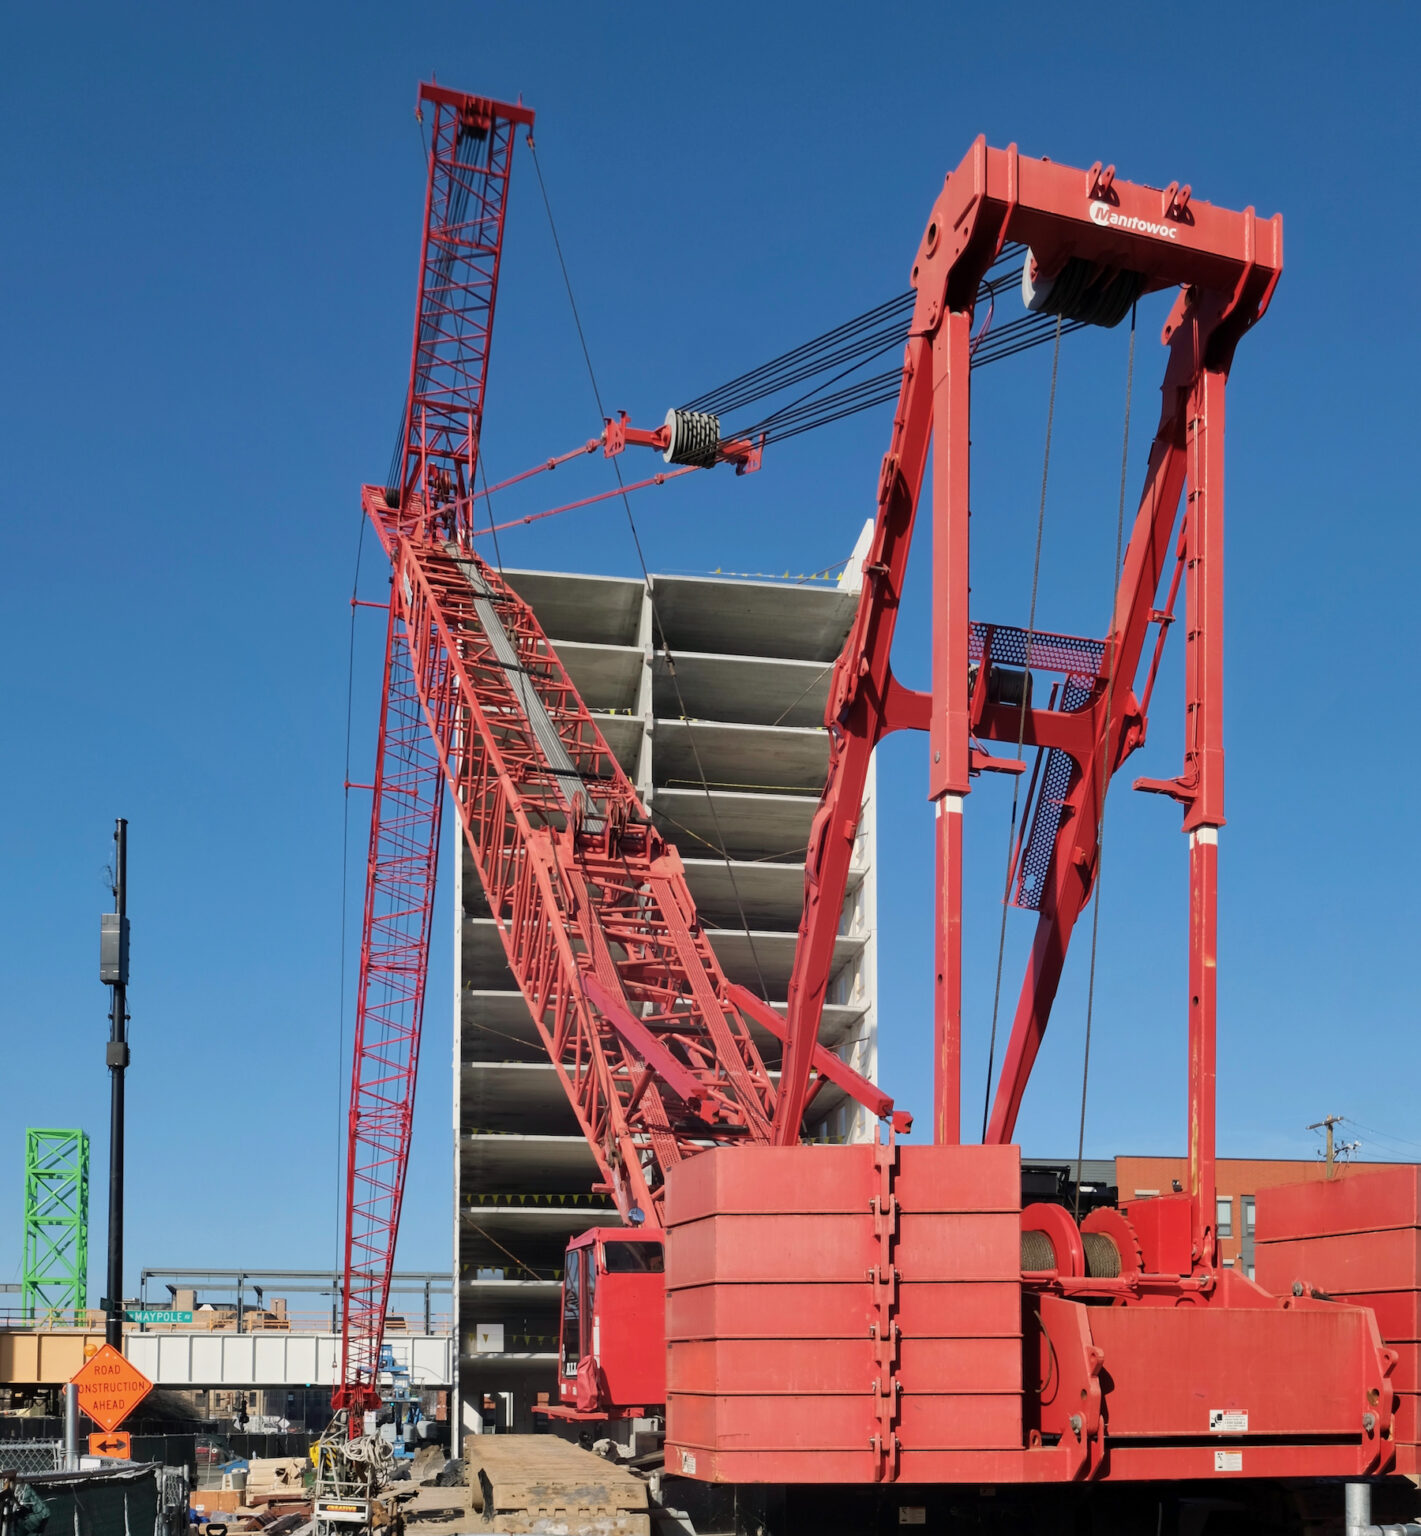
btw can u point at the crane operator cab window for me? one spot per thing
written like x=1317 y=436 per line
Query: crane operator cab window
x=572 y=1310
x=634 y=1258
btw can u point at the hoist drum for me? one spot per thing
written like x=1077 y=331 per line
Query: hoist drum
x=1005 y=685
x=1103 y=1247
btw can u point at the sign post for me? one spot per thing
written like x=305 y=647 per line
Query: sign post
x=110 y=1388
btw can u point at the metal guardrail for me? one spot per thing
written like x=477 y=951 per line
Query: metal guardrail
x=55 y=1320
x=224 y=1320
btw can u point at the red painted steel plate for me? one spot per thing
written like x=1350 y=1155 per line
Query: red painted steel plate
x=1292 y=1372
x=1351 y=1202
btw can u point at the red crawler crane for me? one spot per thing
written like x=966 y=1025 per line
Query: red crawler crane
x=861 y=1314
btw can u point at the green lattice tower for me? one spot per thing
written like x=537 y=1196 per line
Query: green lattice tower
x=56 y=1266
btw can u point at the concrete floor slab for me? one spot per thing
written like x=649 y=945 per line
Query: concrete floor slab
x=527 y=1164
x=753 y=618
x=751 y=957
x=768 y=828
x=606 y=676
x=484 y=962
x=523 y=1241
x=497 y=1028
x=786 y=761
x=769 y=896
x=623 y=734
x=513 y=1096
x=495 y=1025
x=605 y=609
x=742 y=689
x=510 y=1292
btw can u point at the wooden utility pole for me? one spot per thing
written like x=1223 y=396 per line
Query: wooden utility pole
x=1326 y=1124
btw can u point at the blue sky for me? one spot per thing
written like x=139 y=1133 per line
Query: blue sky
x=210 y=224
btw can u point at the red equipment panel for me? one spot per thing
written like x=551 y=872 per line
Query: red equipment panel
x=798 y=1351
x=858 y=1366
x=1286 y=1372
x=1356 y=1237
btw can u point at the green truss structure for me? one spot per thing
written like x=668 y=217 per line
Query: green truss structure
x=55 y=1278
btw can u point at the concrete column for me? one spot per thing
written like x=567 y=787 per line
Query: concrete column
x=647 y=640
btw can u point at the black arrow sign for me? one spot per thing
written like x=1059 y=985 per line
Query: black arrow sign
x=105 y=1447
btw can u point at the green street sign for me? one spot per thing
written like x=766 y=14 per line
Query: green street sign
x=158 y=1317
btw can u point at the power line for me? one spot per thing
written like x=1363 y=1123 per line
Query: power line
x=1371 y=1130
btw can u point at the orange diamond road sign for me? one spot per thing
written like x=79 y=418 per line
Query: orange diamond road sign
x=110 y=1388
x=113 y=1443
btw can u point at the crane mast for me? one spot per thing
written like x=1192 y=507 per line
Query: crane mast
x=470 y=152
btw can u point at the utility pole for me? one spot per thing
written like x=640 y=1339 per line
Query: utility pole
x=1326 y=1124
x=113 y=970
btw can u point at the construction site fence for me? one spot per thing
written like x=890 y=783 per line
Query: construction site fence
x=40 y=1440
x=115 y=1501
x=29 y=1458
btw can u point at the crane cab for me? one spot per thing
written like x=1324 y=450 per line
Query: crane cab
x=612 y=1345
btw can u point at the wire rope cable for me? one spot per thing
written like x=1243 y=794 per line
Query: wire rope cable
x=492 y=525
x=869 y=337
x=647 y=587
x=1021 y=726
x=850 y=346
x=1105 y=755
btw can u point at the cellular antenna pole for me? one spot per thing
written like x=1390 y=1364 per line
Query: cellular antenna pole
x=113 y=970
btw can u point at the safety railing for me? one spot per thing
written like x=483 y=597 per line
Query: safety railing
x=221 y=1320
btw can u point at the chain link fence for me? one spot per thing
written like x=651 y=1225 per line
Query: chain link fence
x=28 y=1457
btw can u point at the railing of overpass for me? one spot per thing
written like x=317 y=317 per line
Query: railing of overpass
x=254 y=1301
x=91 y=1320
x=244 y=1299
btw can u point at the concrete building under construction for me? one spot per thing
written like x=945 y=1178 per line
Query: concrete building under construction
x=726 y=746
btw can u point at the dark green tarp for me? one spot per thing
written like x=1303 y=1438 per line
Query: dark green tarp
x=107 y=1503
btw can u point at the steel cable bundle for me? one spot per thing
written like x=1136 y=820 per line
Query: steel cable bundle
x=848 y=347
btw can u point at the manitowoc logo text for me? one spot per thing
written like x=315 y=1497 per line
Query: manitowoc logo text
x=1103 y=213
